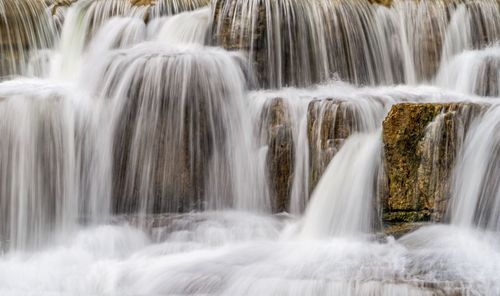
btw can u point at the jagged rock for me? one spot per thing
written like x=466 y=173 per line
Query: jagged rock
x=280 y=157
x=421 y=142
x=329 y=123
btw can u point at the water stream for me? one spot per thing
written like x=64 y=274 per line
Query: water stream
x=144 y=146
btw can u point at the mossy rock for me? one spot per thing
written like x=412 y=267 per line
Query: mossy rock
x=421 y=141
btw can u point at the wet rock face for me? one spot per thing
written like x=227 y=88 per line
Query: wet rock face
x=421 y=142
x=233 y=31
x=170 y=134
x=167 y=165
x=281 y=153
x=24 y=26
x=330 y=122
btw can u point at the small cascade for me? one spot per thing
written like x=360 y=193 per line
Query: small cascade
x=473 y=72
x=184 y=28
x=86 y=18
x=25 y=28
x=281 y=124
x=342 y=203
x=332 y=121
x=476 y=191
x=117 y=33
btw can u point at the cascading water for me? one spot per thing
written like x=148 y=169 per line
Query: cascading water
x=343 y=190
x=136 y=160
x=26 y=30
x=476 y=188
x=474 y=72
x=297 y=42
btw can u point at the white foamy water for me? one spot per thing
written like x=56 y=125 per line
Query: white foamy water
x=245 y=254
x=140 y=160
x=473 y=72
x=346 y=190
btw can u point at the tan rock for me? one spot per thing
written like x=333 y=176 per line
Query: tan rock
x=330 y=122
x=280 y=157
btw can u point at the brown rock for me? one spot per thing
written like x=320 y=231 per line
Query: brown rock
x=330 y=122
x=280 y=157
x=421 y=142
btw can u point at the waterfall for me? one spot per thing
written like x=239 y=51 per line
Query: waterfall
x=476 y=191
x=249 y=147
x=25 y=27
x=473 y=72
x=86 y=19
x=163 y=101
x=305 y=42
x=53 y=173
x=345 y=190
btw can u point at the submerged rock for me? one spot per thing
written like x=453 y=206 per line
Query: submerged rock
x=421 y=142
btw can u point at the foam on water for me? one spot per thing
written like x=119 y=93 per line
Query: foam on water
x=231 y=252
x=144 y=122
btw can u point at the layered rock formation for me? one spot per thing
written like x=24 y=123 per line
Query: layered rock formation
x=421 y=143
